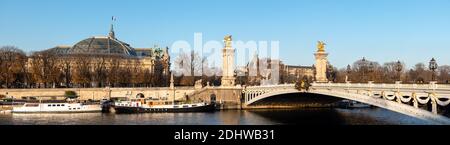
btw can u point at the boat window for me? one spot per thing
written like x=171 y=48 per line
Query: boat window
x=32 y=105
x=58 y=105
x=185 y=106
x=62 y=104
x=175 y=106
x=78 y=108
x=70 y=108
x=53 y=105
x=49 y=105
x=194 y=105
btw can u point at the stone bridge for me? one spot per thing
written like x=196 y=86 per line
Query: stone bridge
x=408 y=99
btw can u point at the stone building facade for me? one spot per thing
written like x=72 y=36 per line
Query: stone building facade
x=108 y=50
x=259 y=70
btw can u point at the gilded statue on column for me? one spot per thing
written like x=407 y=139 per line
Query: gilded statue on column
x=321 y=46
x=228 y=40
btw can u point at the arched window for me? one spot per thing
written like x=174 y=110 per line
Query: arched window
x=140 y=95
x=213 y=98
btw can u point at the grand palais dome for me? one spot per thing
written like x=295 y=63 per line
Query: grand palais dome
x=102 y=45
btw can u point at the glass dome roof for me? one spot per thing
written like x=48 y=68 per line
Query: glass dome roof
x=102 y=45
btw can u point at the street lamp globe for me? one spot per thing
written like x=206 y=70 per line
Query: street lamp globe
x=399 y=66
x=349 y=69
x=371 y=67
x=433 y=66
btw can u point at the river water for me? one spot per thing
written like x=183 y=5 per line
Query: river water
x=314 y=116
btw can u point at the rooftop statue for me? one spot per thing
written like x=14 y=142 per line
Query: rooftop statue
x=228 y=40
x=321 y=46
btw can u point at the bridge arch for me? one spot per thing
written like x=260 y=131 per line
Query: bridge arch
x=250 y=100
x=389 y=105
x=401 y=98
x=375 y=101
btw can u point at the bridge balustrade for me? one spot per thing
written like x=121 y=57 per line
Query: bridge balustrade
x=414 y=95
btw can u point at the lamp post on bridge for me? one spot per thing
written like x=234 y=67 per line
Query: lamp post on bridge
x=367 y=68
x=398 y=68
x=330 y=73
x=433 y=66
x=349 y=70
x=363 y=67
x=371 y=69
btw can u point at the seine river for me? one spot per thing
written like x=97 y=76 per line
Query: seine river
x=321 y=116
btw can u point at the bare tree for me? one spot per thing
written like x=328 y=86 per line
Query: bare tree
x=419 y=74
x=99 y=70
x=45 y=68
x=66 y=69
x=364 y=70
x=12 y=62
x=136 y=73
x=444 y=74
x=391 y=71
x=187 y=65
x=82 y=71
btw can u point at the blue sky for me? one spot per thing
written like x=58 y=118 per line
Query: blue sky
x=381 y=30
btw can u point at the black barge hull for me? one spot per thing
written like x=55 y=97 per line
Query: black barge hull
x=128 y=110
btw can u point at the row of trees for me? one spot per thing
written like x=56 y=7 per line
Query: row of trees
x=190 y=66
x=46 y=69
x=12 y=65
x=365 y=70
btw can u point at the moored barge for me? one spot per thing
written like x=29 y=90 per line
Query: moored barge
x=149 y=106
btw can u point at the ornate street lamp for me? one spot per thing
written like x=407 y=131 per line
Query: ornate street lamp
x=330 y=73
x=363 y=67
x=371 y=69
x=433 y=66
x=349 y=70
x=398 y=68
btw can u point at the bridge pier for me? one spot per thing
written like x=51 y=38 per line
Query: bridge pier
x=434 y=106
x=398 y=95
x=415 y=102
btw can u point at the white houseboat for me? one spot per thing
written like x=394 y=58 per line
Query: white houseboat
x=57 y=108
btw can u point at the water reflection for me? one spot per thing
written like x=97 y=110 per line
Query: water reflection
x=314 y=116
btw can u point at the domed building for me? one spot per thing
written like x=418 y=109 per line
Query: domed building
x=115 y=50
x=103 y=45
x=107 y=45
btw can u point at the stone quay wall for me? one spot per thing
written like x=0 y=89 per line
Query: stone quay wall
x=102 y=93
x=228 y=97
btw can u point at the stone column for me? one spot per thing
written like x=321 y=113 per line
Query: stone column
x=228 y=78
x=172 y=86
x=321 y=63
